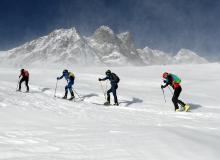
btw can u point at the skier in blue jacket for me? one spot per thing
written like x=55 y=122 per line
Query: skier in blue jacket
x=114 y=79
x=69 y=76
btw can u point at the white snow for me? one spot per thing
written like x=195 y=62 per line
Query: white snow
x=37 y=126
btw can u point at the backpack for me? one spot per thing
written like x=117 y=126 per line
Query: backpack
x=176 y=79
x=115 y=78
x=71 y=75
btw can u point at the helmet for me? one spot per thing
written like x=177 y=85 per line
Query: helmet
x=165 y=74
x=108 y=72
x=22 y=70
x=65 y=71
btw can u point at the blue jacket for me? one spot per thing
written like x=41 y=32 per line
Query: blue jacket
x=67 y=77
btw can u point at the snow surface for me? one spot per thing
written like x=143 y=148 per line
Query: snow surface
x=38 y=126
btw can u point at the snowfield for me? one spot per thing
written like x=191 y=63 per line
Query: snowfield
x=37 y=126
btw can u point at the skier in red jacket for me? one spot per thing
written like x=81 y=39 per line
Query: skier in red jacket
x=174 y=82
x=25 y=78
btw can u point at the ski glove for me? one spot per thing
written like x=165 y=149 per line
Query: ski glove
x=162 y=87
x=100 y=79
x=58 y=78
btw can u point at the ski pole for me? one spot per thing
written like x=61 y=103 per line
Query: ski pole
x=163 y=95
x=18 y=83
x=106 y=88
x=170 y=90
x=102 y=89
x=55 y=89
x=77 y=94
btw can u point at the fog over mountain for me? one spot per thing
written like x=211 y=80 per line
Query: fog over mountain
x=68 y=47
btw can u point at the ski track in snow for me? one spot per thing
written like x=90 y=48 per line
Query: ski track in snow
x=37 y=125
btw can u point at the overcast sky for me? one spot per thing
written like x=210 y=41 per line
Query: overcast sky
x=167 y=25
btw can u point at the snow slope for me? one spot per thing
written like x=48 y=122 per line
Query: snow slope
x=68 y=47
x=38 y=126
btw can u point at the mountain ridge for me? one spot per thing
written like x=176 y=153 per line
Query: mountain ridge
x=104 y=47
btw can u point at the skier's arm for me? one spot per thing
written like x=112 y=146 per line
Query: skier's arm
x=167 y=82
x=164 y=86
x=58 y=78
x=103 y=79
x=20 y=75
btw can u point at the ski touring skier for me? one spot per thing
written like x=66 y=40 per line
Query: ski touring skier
x=70 y=77
x=25 y=78
x=174 y=82
x=114 y=80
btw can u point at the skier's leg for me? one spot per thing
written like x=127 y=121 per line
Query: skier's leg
x=179 y=101
x=108 y=94
x=66 y=92
x=115 y=94
x=175 y=98
x=26 y=83
x=21 y=81
x=70 y=86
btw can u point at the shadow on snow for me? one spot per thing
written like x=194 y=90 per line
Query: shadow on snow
x=194 y=106
x=133 y=101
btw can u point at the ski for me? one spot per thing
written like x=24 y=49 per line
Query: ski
x=74 y=99
x=103 y=104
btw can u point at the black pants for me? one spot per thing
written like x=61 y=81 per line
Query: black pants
x=175 y=99
x=26 y=80
x=113 y=90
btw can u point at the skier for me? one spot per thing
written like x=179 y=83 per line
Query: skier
x=25 y=78
x=174 y=82
x=114 y=80
x=69 y=76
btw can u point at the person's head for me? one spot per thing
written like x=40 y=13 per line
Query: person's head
x=165 y=75
x=108 y=72
x=22 y=70
x=65 y=71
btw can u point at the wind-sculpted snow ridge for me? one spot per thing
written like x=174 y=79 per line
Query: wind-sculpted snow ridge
x=67 y=47
x=38 y=126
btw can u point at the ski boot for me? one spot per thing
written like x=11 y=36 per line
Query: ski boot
x=72 y=96
x=65 y=96
x=116 y=104
x=18 y=90
x=180 y=109
x=186 y=108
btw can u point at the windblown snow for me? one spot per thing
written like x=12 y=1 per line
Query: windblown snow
x=37 y=125
x=68 y=47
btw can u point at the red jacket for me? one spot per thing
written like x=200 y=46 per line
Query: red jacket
x=25 y=73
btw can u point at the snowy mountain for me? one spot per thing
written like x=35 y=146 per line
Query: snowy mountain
x=114 y=49
x=156 y=57
x=188 y=57
x=61 y=46
x=184 y=56
x=68 y=47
